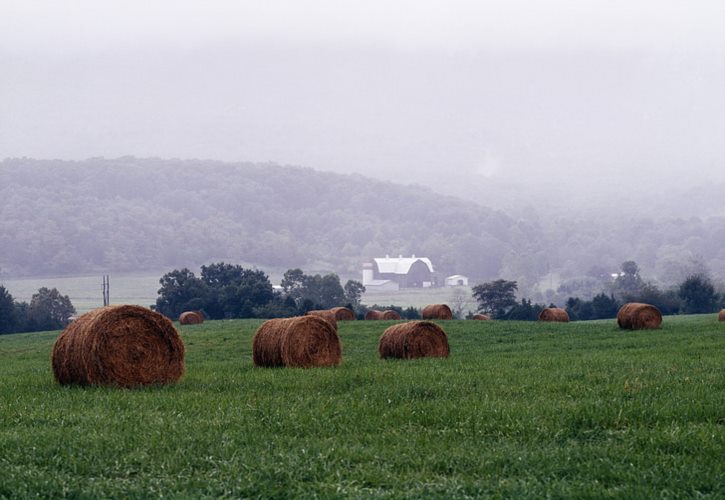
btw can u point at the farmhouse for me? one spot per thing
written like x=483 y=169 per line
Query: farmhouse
x=389 y=274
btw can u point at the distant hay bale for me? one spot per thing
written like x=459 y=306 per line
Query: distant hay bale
x=325 y=314
x=373 y=315
x=481 y=317
x=638 y=316
x=721 y=316
x=191 y=318
x=124 y=346
x=555 y=314
x=414 y=339
x=391 y=315
x=343 y=314
x=437 y=311
x=300 y=342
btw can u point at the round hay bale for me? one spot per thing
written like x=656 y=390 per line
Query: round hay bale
x=191 y=318
x=390 y=315
x=721 y=316
x=555 y=314
x=414 y=339
x=301 y=342
x=343 y=314
x=124 y=346
x=373 y=315
x=481 y=317
x=437 y=311
x=325 y=314
x=638 y=316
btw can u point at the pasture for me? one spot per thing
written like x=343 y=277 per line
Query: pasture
x=518 y=409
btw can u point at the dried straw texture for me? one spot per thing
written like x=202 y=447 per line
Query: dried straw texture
x=325 y=314
x=555 y=314
x=124 y=346
x=373 y=315
x=414 y=339
x=390 y=314
x=191 y=318
x=300 y=342
x=481 y=317
x=638 y=316
x=721 y=316
x=437 y=311
x=343 y=314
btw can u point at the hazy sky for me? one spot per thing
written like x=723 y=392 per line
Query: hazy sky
x=453 y=94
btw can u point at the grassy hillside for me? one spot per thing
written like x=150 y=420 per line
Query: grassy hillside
x=519 y=409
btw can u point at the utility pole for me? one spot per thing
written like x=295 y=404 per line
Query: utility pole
x=106 y=290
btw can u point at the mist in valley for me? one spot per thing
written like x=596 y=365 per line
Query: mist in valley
x=532 y=142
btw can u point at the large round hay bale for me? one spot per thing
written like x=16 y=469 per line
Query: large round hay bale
x=390 y=315
x=373 y=315
x=481 y=317
x=124 y=346
x=325 y=314
x=437 y=311
x=343 y=313
x=301 y=342
x=555 y=314
x=721 y=316
x=638 y=316
x=414 y=339
x=191 y=318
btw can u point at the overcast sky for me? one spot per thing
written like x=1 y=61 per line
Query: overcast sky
x=451 y=94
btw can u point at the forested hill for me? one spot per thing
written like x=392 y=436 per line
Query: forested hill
x=130 y=214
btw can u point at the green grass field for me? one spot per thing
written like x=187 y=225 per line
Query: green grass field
x=518 y=410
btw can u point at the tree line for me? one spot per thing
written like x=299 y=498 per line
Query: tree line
x=226 y=291
x=47 y=310
x=695 y=294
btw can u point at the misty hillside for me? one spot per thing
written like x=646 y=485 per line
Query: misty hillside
x=130 y=214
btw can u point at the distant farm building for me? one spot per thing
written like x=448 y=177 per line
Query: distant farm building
x=457 y=280
x=390 y=274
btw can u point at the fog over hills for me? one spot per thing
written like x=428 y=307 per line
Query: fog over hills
x=563 y=105
x=130 y=215
x=578 y=134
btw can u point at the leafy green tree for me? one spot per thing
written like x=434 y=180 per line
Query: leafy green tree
x=292 y=283
x=180 y=291
x=49 y=310
x=8 y=315
x=698 y=295
x=253 y=291
x=496 y=297
x=313 y=291
x=353 y=292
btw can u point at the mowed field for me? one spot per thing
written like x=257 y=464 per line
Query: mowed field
x=519 y=409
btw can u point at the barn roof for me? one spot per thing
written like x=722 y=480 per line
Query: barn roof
x=400 y=265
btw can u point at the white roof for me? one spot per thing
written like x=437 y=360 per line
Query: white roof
x=400 y=265
x=457 y=277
